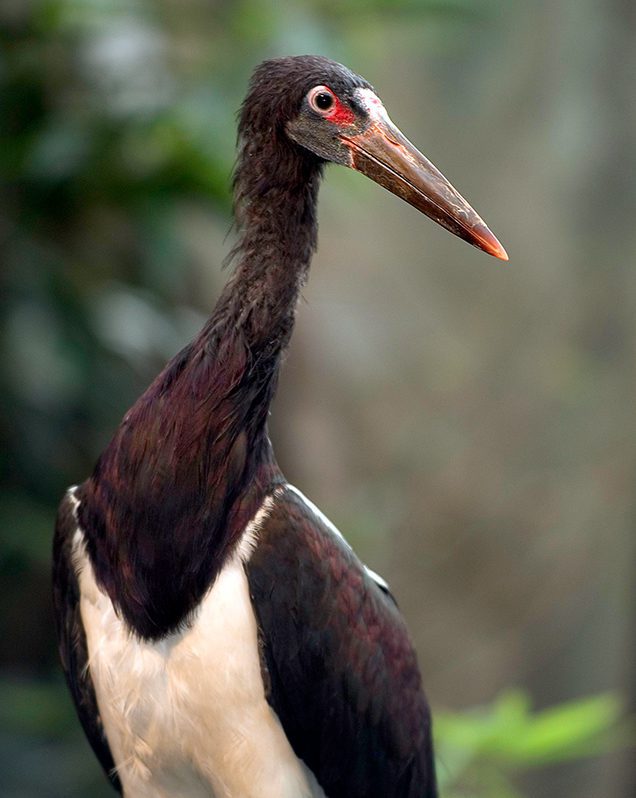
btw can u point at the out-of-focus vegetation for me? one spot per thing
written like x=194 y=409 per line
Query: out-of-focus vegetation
x=483 y=752
x=117 y=128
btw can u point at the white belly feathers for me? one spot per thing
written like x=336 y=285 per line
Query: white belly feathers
x=187 y=716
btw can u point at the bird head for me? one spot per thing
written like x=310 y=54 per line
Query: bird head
x=334 y=114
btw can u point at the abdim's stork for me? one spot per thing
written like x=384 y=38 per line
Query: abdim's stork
x=219 y=636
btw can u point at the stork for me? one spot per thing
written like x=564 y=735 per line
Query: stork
x=218 y=635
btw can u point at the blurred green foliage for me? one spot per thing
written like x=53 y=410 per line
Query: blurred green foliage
x=117 y=124
x=483 y=752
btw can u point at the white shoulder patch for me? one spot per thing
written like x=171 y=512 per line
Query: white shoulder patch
x=333 y=528
x=249 y=538
x=73 y=498
x=317 y=512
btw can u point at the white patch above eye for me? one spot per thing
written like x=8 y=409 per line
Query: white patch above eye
x=370 y=101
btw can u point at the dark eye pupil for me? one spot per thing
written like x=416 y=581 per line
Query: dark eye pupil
x=323 y=101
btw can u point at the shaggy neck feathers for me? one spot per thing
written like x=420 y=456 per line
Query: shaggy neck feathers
x=191 y=462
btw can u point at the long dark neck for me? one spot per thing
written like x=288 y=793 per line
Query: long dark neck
x=275 y=209
x=191 y=462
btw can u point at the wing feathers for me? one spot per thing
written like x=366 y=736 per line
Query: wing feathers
x=71 y=636
x=344 y=677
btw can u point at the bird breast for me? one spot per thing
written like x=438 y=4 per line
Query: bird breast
x=187 y=715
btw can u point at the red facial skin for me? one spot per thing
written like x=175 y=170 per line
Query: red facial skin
x=339 y=114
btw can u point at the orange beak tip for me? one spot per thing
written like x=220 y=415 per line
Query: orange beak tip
x=486 y=240
x=501 y=254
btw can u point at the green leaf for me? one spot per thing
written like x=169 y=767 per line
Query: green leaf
x=576 y=729
x=484 y=749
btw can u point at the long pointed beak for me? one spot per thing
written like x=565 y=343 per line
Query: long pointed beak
x=385 y=155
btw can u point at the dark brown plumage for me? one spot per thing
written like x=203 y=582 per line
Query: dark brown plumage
x=191 y=464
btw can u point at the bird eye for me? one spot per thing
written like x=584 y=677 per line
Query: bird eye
x=321 y=99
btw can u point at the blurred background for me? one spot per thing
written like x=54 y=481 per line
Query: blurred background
x=468 y=424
